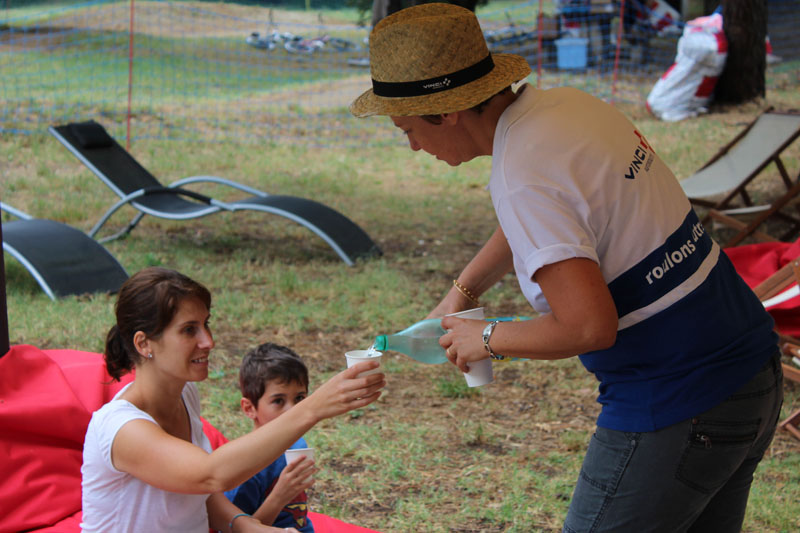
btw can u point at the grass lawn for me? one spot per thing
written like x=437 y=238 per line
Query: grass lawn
x=431 y=455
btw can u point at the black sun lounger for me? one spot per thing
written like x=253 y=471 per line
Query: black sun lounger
x=137 y=187
x=63 y=260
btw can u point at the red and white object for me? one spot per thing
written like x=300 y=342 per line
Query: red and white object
x=687 y=86
x=663 y=17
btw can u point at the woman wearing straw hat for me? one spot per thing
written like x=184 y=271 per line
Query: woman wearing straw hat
x=608 y=250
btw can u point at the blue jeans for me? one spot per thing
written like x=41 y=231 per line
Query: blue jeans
x=693 y=476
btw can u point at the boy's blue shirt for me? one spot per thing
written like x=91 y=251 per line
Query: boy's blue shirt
x=251 y=494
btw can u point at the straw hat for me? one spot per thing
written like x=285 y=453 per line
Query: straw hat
x=431 y=59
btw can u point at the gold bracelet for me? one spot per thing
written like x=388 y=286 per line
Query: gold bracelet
x=466 y=292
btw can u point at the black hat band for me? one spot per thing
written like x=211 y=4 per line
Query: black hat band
x=461 y=77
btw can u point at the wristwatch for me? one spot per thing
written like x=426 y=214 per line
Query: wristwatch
x=487 y=334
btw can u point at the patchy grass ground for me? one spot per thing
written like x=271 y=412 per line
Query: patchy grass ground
x=431 y=455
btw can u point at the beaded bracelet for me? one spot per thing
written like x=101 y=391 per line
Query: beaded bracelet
x=230 y=525
x=466 y=292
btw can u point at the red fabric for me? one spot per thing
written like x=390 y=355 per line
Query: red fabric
x=706 y=86
x=70 y=524
x=326 y=524
x=722 y=42
x=47 y=398
x=215 y=436
x=757 y=262
x=322 y=523
x=46 y=401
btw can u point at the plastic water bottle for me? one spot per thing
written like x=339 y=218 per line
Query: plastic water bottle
x=419 y=341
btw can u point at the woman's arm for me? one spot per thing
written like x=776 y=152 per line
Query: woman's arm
x=583 y=318
x=144 y=450
x=490 y=264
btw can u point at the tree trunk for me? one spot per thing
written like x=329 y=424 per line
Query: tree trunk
x=743 y=78
x=382 y=8
x=709 y=6
x=469 y=4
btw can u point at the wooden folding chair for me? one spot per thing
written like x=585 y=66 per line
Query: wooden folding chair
x=791 y=422
x=736 y=165
x=768 y=291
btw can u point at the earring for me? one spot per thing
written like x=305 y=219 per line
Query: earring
x=150 y=355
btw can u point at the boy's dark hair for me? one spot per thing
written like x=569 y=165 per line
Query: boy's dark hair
x=269 y=362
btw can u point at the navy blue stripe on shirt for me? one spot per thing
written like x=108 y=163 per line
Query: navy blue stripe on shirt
x=664 y=269
x=686 y=358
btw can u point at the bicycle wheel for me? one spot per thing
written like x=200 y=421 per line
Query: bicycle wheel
x=303 y=46
x=255 y=40
x=342 y=45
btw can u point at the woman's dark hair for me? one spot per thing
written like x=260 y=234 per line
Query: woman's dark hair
x=266 y=363
x=478 y=108
x=146 y=302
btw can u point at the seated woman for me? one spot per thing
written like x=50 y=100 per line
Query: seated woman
x=147 y=466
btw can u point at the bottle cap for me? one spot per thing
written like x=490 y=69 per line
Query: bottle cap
x=380 y=343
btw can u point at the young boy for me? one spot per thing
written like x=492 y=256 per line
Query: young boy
x=273 y=379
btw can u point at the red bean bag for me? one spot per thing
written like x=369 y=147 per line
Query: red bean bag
x=47 y=398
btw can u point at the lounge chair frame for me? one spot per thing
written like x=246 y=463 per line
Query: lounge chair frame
x=112 y=164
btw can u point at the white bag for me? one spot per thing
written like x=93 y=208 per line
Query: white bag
x=688 y=85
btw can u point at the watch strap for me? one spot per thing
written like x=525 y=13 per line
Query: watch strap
x=487 y=335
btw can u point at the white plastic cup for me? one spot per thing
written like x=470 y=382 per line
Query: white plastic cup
x=474 y=314
x=357 y=356
x=293 y=454
x=480 y=372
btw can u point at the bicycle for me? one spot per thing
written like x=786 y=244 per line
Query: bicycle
x=323 y=42
x=271 y=40
x=509 y=35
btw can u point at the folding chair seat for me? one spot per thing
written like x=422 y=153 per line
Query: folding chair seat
x=63 y=260
x=137 y=187
x=736 y=165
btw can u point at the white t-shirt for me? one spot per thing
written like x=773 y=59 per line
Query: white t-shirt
x=117 y=502
x=572 y=177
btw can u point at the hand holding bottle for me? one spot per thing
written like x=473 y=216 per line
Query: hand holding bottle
x=464 y=341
